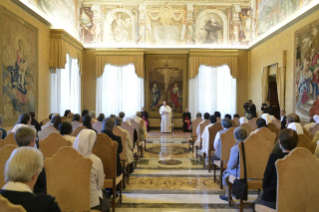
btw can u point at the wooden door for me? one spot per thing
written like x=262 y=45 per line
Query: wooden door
x=273 y=98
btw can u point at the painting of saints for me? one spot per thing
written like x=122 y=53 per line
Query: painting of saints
x=314 y=67
x=156 y=96
x=212 y=27
x=175 y=96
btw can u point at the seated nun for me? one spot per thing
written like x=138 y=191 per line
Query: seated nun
x=21 y=173
x=84 y=144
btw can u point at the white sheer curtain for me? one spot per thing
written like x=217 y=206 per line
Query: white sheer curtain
x=212 y=90
x=66 y=88
x=119 y=89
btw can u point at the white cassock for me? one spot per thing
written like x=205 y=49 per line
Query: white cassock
x=165 y=112
x=197 y=142
x=205 y=139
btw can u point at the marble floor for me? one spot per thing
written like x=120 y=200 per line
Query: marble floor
x=169 y=178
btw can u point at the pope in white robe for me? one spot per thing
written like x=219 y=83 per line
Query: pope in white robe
x=165 y=111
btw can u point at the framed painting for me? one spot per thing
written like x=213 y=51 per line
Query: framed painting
x=166 y=80
x=306 y=71
x=19 y=67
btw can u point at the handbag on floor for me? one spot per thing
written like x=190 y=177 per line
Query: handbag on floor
x=239 y=189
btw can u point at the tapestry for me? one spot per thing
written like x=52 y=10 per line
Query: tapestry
x=166 y=80
x=19 y=67
x=306 y=57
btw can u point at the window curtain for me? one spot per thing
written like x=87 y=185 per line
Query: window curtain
x=213 y=89
x=66 y=88
x=265 y=83
x=281 y=83
x=119 y=89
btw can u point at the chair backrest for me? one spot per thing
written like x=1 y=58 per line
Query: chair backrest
x=135 y=126
x=267 y=134
x=257 y=151
x=106 y=149
x=8 y=140
x=6 y=206
x=236 y=120
x=195 y=123
x=97 y=126
x=5 y=153
x=0 y=134
x=273 y=128
x=314 y=129
x=247 y=128
x=51 y=144
x=202 y=127
x=212 y=131
x=227 y=142
x=68 y=171
x=46 y=120
x=122 y=134
x=297 y=185
x=305 y=142
x=46 y=132
x=77 y=131
x=233 y=123
x=308 y=134
x=277 y=123
x=75 y=124
x=252 y=123
x=130 y=130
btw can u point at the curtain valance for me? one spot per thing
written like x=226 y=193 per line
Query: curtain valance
x=120 y=58
x=61 y=44
x=212 y=58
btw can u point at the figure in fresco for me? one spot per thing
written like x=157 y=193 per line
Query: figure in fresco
x=212 y=27
x=166 y=72
x=156 y=96
x=119 y=28
x=314 y=67
x=304 y=81
x=175 y=96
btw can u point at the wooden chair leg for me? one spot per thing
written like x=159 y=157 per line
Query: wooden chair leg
x=204 y=157
x=230 y=198
x=209 y=163
x=128 y=173
x=221 y=174
x=214 y=168
x=145 y=144
x=121 y=188
x=114 y=195
x=241 y=205
x=124 y=168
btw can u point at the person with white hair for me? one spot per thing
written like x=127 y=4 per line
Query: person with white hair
x=4 y=132
x=84 y=144
x=21 y=173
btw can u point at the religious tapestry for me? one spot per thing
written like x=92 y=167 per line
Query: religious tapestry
x=19 y=66
x=166 y=80
x=306 y=83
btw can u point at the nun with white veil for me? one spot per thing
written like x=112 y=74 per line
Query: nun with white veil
x=313 y=121
x=243 y=120
x=84 y=144
x=267 y=118
x=296 y=127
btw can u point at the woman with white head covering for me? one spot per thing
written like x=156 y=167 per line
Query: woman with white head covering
x=296 y=127
x=316 y=118
x=243 y=120
x=266 y=117
x=312 y=123
x=84 y=144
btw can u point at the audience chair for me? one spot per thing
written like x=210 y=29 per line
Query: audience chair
x=236 y=120
x=297 y=186
x=130 y=129
x=247 y=128
x=122 y=134
x=305 y=142
x=193 y=136
x=8 y=140
x=68 y=179
x=77 y=131
x=142 y=123
x=273 y=128
x=6 y=206
x=252 y=123
x=227 y=142
x=201 y=127
x=135 y=125
x=44 y=121
x=106 y=149
x=308 y=134
x=267 y=134
x=5 y=153
x=277 y=123
x=46 y=132
x=75 y=124
x=257 y=151
x=0 y=134
x=51 y=144
x=212 y=130
x=234 y=124
x=97 y=126
x=314 y=129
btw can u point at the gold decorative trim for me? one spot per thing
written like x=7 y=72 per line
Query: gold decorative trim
x=214 y=53
x=63 y=35
x=119 y=52
x=31 y=12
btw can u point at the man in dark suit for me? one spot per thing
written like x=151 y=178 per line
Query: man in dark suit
x=21 y=173
x=283 y=119
x=26 y=136
x=267 y=108
x=251 y=109
x=144 y=115
x=107 y=126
